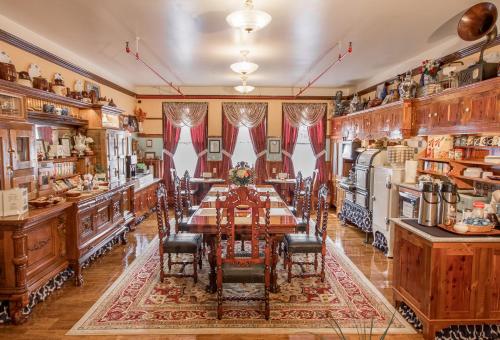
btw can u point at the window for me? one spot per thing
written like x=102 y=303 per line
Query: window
x=303 y=156
x=244 y=148
x=185 y=157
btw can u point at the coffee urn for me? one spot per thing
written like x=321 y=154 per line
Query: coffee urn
x=448 y=197
x=429 y=202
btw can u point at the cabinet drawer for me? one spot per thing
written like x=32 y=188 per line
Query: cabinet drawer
x=86 y=224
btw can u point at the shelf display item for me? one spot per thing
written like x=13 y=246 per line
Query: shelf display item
x=24 y=79
x=15 y=201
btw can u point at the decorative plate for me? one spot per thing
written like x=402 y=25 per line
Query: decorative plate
x=34 y=71
x=79 y=85
x=4 y=58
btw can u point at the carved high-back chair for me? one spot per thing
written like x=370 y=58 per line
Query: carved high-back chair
x=294 y=208
x=307 y=193
x=252 y=267
x=188 y=195
x=175 y=243
x=313 y=241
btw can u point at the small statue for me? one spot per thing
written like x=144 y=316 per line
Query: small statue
x=353 y=106
x=80 y=143
x=408 y=87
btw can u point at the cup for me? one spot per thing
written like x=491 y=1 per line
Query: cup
x=470 y=141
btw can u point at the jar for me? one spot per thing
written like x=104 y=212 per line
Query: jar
x=478 y=209
x=451 y=154
x=459 y=154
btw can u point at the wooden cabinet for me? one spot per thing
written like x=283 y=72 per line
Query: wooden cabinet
x=447 y=283
x=32 y=252
x=145 y=200
x=95 y=222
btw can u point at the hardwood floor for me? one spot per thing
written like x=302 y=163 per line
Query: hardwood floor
x=52 y=318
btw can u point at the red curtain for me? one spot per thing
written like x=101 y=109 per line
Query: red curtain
x=171 y=134
x=289 y=139
x=317 y=136
x=229 y=137
x=199 y=140
x=258 y=135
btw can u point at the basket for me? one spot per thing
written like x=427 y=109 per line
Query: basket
x=8 y=72
x=480 y=229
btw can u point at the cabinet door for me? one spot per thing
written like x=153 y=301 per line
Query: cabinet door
x=5 y=164
x=448 y=112
x=480 y=108
x=22 y=144
x=422 y=117
x=111 y=144
x=492 y=303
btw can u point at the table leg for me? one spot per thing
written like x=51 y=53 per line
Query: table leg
x=274 y=262
x=212 y=284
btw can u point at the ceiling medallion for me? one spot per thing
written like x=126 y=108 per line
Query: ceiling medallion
x=249 y=19
x=244 y=66
x=244 y=88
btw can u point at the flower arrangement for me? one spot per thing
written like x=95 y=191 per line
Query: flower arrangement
x=241 y=174
x=430 y=69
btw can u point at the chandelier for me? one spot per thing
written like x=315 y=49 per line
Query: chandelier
x=244 y=66
x=244 y=88
x=249 y=19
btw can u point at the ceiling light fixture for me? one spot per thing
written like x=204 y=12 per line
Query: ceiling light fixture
x=244 y=88
x=244 y=67
x=249 y=19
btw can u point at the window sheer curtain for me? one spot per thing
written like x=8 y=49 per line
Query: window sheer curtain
x=253 y=116
x=313 y=116
x=179 y=114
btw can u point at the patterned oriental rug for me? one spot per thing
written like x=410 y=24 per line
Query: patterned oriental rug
x=137 y=303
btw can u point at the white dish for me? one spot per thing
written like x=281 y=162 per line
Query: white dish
x=5 y=58
x=34 y=71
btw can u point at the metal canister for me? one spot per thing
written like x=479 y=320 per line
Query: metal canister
x=448 y=197
x=428 y=206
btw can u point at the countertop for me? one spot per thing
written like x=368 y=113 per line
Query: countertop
x=33 y=215
x=450 y=237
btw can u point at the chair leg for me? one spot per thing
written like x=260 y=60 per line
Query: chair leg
x=169 y=262
x=162 y=272
x=195 y=267
x=280 y=248
x=242 y=244
x=322 y=268
x=219 y=303
x=289 y=264
x=315 y=262
x=202 y=252
x=267 y=310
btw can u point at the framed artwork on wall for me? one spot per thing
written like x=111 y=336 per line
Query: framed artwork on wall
x=89 y=86
x=150 y=155
x=149 y=143
x=214 y=149
x=273 y=149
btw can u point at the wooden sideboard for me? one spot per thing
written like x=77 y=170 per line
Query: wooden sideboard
x=447 y=282
x=96 y=222
x=468 y=109
x=32 y=251
x=145 y=200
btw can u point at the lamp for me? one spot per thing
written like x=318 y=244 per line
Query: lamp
x=244 y=67
x=249 y=19
x=244 y=88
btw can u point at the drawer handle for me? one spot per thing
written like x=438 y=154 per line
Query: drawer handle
x=429 y=115
x=467 y=109
x=435 y=114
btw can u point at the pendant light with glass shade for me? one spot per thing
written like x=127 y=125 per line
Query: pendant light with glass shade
x=249 y=19
x=244 y=88
x=244 y=66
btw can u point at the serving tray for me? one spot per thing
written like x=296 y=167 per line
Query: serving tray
x=494 y=232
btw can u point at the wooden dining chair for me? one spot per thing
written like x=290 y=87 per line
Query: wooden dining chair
x=180 y=218
x=175 y=243
x=188 y=195
x=294 y=208
x=310 y=242
x=249 y=267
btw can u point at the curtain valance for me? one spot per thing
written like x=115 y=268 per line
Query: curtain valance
x=185 y=113
x=244 y=114
x=307 y=114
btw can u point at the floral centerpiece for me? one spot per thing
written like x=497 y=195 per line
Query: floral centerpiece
x=241 y=174
x=430 y=69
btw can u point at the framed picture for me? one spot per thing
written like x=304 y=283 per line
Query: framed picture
x=149 y=143
x=89 y=86
x=66 y=146
x=214 y=149
x=133 y=125
x=274 y=149
x=150 y=155
x=41 y=149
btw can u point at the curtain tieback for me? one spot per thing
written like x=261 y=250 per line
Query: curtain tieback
x=260 y=154
x=168 y=153
x=286 y=153
x=227 y=154
x=203 y=153
x=323 y=152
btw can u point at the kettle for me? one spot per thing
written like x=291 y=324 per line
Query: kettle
x=448 y=197
x=428 y=205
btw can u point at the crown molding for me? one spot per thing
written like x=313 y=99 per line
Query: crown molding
x=230 y=97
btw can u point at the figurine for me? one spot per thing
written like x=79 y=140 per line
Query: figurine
x=408 y=87
x=80 y=146
x=353 y=106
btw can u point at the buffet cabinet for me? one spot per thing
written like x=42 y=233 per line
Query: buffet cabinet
x=32 y=252
x=445 y=284
x=97 y=223
x=467 y=109
x=145 y=201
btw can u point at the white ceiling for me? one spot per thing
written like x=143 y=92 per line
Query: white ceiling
x=191 y=44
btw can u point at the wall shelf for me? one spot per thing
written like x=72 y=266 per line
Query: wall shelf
x=480 y=180
x=54 y=119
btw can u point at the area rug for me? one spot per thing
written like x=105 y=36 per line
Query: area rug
x=137 y=303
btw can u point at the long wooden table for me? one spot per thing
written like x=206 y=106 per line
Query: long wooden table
x=203 y=221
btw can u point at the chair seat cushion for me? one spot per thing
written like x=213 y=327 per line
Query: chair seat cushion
x=193 y=209
x=182 y=243
x=183 y=224
x=302 y=224
x=233 y=273
x=303 y=243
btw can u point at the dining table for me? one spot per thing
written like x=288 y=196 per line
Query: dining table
x=282 y=185
x=203 y=221
x=204 y=184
